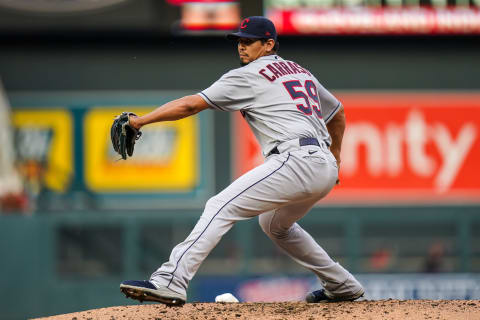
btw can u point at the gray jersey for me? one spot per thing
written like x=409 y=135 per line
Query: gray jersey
x=279 y=99
x=281 y=102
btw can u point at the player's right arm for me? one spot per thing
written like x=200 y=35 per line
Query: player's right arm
x=334 y=117
x=336 y=128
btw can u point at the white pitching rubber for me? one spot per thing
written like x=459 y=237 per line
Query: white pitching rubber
x=226 y=297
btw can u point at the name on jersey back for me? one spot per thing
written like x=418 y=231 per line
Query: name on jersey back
x=276 y=70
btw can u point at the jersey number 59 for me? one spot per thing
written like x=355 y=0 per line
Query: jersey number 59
x=311 y=92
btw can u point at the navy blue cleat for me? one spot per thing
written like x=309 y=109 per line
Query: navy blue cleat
x=324 y=296
x=143 y=290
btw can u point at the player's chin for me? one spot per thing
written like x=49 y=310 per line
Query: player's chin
x=244 y=61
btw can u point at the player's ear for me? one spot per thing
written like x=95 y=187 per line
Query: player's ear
x=270 y=45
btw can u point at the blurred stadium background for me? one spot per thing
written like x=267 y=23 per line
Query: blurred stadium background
x=75 y=222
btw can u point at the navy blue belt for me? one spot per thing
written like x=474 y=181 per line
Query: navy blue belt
x=302 y=141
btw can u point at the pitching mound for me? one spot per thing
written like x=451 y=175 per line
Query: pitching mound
x=382 y=309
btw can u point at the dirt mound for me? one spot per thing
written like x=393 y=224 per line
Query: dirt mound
x=381 y=309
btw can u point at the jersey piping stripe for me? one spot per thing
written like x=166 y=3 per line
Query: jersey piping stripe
x=333 y=112
x=210 y=102
x=219 y=212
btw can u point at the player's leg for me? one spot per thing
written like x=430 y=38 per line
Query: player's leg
x=268 y=186
x=284 y=179
x=280 y=226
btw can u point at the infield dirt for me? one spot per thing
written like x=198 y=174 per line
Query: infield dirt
x=380 y=309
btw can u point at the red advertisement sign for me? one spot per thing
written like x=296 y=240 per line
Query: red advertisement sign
x=397 y=147
x=376 y=20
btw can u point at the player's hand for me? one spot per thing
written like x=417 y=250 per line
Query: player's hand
x=336 y=154
x=133 y=121
x=338 y=179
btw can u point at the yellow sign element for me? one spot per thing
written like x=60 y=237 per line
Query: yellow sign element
x=44 y=140
x=165 y=158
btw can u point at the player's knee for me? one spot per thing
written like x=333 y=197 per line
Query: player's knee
x=270 y=229
x=264 y=221
x=213 y=204
x=210 y=203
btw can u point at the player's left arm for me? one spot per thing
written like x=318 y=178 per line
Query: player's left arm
x=336 y=128
x=173 y=110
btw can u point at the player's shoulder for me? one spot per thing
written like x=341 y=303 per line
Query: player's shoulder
x=254 y=65
x=236 y=73
x=242 y=73
x=303 y=69
x=295 y=65
x=265 y=60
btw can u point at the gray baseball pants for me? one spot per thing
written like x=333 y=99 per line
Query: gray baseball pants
x=279 y=192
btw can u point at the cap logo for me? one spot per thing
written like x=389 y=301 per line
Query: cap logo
x=268 y=34
x=244 y=23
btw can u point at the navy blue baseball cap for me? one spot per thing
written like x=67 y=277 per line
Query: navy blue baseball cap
x=256 y=27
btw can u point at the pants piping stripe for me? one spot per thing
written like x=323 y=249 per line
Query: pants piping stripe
x=173 y=272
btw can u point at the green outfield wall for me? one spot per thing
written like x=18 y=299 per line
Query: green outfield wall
x=72 y=261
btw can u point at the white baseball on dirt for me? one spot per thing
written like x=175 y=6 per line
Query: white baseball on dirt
x=226 y=297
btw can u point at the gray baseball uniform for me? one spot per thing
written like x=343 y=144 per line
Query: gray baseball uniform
x=286 y=108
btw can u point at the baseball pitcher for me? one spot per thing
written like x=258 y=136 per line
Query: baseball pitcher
x=299 y=125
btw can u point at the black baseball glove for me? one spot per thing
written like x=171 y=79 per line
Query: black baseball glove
x=124 y=135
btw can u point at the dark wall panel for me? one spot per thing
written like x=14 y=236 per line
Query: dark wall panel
x=194 y=63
